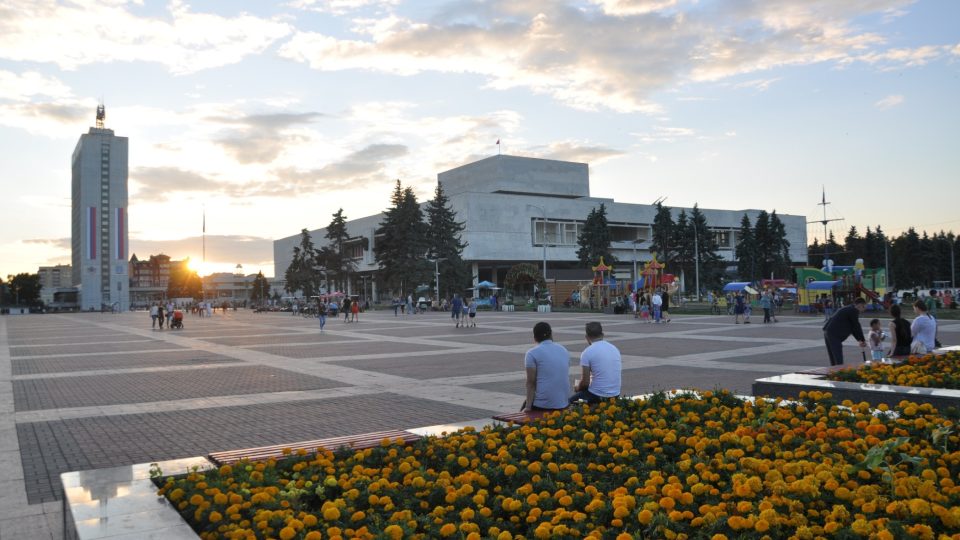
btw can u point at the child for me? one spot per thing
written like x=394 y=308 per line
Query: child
x=645 y=313
x=464 y=312
x=473 y=312
x=876 y=338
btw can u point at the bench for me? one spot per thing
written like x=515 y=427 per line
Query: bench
x=353 y=442
x=521 y=417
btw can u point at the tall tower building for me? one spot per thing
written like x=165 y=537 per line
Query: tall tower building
x=99 y=225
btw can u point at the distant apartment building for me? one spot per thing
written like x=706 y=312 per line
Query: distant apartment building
x=54 y=279
x=99 y=228
x=150 y=278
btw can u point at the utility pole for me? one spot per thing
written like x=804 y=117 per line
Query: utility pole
x=696 y=258
x=543 y=214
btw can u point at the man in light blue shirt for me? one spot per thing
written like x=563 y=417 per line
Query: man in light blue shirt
x=548 y=372
x=601 y=366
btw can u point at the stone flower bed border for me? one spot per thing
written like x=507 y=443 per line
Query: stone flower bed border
x=791 y=384
x=799 y=439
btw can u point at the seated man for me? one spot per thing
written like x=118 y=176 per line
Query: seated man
x=601 y=368
x=548 y=369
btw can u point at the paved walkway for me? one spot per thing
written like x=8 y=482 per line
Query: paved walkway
x=88 y=391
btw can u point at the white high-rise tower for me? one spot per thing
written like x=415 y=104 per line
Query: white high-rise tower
x=99 y=231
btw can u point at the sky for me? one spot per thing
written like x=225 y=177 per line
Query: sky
x=269 y=116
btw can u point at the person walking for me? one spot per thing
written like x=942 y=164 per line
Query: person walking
x=767 y=306
x=153 y=316
x=455 y=307
x=355 y=311
x=665 y=307
x=347 y=303
x=472 y=311
x=657 y=302
x=322 y=314
x=160 y=315
x=169 y=313
x=844 y=323
x=739 y=308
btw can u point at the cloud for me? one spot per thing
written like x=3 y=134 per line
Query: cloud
x=665 y=134
x=889 y=102
x=356 y=170
x=58 y=243
x=616 y=57
x=760 y=85
x=263 y=137
x=50 y=118
x=902 y=58
x=574 y=151
x=159 y=183
x=85 y=32
x=339 y=7
x=23 y=86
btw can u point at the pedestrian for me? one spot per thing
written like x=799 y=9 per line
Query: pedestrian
x=411 y=308
x=665 y=308
x=355 y=311
x=657 y=302
x=472 y=310
x=464 y=312
x=601 y=367
x=923 y=329
x=160 y=315
x=933 y=302
x=455 y=307
x=547 y=367
x=843 y=324
x=739 y=308
x=346 y=309
x=767 y=306
x=169 y=313
x=153 y=316
x=396 y=306
x=322 y=314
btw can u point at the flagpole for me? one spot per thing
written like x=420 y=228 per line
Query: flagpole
x=204 y=234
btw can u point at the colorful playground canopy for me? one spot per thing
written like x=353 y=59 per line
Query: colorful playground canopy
x=822 y=285
x=486 y=285
x=736 y=286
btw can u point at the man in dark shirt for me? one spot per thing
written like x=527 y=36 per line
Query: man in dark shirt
x=844 y=323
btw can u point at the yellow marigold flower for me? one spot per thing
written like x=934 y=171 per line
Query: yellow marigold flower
x=215 y=517
x=331 y=513
x=310 y=520
x=448 y=529
x=919 y=507
x=504 y=536
x=463 y=461
x=510 y=470
x=761 y=526
x=196 y=499
x=394 y=532
x=667 y=503
x=645 y=517
x=287 y=533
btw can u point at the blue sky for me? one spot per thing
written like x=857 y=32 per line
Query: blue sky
x=273 y=115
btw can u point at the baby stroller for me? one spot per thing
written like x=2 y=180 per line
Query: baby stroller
x=177 y=321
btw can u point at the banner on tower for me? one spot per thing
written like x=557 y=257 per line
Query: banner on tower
x=92 y=232
x=118 y=234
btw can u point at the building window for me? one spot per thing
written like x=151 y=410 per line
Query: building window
x=555 y=233
x=722 y=238
x=354 y=251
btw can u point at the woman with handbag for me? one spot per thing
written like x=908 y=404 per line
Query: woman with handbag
x=923 y=329
x=900 y=335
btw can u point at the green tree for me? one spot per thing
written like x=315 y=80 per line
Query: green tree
x=682 y=244
x=711 y=263
x=302 y=273
x=260 y=291
x=746 y=251
x=525 y=279
x=765 y=243
x=184 y=283
x=23 y=289
x=594 y=239
x=663 y=234
x=403 y=245
x=445 y=242
x=905 y=257
x=334 y=259
x=854 y=247
x=779 y=248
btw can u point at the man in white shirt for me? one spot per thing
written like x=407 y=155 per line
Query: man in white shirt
x=657 y=302
x=601 y=367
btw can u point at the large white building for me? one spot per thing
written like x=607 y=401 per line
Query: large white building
x=519 y=209
x=99 y=220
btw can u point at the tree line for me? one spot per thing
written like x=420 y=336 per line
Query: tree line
x=915 y=259
x=409 y=248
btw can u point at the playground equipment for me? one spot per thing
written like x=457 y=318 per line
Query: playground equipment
x=840 y=282
x=652 y=276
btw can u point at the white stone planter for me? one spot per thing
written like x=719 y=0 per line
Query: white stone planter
x=545 y=308
x=507 y=307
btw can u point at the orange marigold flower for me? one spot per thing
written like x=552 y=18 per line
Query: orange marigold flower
x=448 y=529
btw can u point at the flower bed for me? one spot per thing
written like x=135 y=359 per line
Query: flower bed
x=928 y=371
x=710 y=466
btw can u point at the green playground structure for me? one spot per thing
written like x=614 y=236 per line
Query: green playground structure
x=844 y=283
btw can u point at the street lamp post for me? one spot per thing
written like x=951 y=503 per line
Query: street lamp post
x=696 y=260
x=543 y=214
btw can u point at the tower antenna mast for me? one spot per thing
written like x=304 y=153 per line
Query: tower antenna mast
x=826 y=244
x=101 y=115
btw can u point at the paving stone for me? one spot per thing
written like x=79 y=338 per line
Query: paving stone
x=454 y=364
x=50 y=448
x=32 y=366
x=347 y=349
x=85 y=348
x=85 y=391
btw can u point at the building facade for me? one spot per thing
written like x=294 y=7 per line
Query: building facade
x=99 y=231
x=150 y=278
x=54 y=279
x=519 y=209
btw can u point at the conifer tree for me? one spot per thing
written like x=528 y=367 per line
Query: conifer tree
x=302 y=273
x=445 y=242
x=663 y=234
x=402 y=247
x=746 y=251
x=779 y=248
x=594 y=239
x=334 y=257
x=711 y=264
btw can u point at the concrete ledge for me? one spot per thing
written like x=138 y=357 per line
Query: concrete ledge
x=791 y=384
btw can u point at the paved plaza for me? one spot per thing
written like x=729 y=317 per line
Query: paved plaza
x=88 y=391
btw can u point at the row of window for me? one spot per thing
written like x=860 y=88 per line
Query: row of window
x=565 y=233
